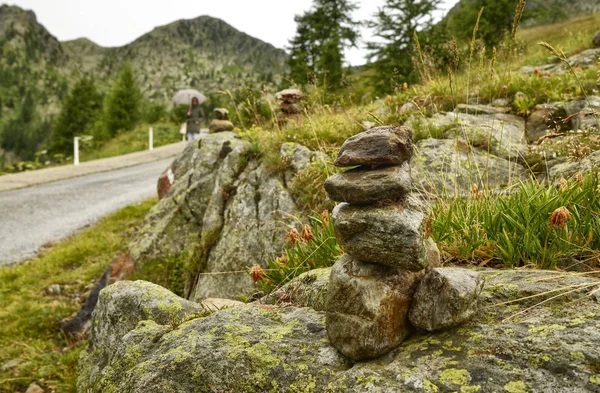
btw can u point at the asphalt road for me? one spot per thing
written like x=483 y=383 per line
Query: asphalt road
x=34 y=216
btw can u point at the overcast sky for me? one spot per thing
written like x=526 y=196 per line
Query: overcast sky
x=118 y=22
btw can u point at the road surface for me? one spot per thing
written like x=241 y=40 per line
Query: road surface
x=34 y=216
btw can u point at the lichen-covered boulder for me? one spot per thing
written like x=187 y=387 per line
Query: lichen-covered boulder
x=367 y=307
x=241 y=349
x=392 y=235
x=452 y=167
x=225 y=207
x=567 y=168
x=502 y=135
x=123 y=305
x=552 y=348
x=446 y=297
x=368 y=186
x=377 y=146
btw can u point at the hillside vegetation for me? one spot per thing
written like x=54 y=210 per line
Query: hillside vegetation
x=37 y=72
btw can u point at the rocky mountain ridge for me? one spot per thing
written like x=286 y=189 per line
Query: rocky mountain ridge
x=205 y=53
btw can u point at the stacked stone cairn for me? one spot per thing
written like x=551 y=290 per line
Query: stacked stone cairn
x=221 y=122
x=290 y=104
x=384 y=232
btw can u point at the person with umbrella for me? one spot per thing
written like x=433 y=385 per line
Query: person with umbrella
x=195 y=115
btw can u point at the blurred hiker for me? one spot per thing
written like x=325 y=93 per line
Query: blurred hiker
x=194 y=117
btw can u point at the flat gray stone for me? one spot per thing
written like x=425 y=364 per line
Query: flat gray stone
x=445 y=298
x=367 y=307
x=367 y=186
x=377 y=146
x=392 y=235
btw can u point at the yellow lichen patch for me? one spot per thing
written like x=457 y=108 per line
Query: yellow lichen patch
x=470 y=389
x=516 y=387
x=277 y=333
x=475 y=336
x=544 y=331
x=429 y=386
x=581 y=319
x=595 y=379
x=455 y=376
x=577 y=355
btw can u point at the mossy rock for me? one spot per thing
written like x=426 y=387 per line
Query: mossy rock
x=262 y=348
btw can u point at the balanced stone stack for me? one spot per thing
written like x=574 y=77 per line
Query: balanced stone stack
x=221 y=122
x=384 y=232
x=291 y=100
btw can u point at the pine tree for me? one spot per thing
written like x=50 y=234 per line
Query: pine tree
x=496 y=20
x=80 y=110
x=124 y=102
x=26 y=132
x=395 y=25
x=317 y=50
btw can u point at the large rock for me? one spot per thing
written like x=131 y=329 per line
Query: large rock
x=165 y=182
x=367 y=307
x=221 y=114
x=501 y=135
x=220 y=126
x=131 y=302
x=226 y=208
x=584 y=113
x=391 y=235
x=567 y=168
x=583 y=59
x=553 y=348
x=545 y=119
x=446 y=297
x=367 y=186
x=377 y=146
x=596 y=40
x=451 y=168
x=481 y=109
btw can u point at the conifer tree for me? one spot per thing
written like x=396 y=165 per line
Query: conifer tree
x=123 y=106
x=394 y=26
x=317 y=50
x=26 y=132
x=497 y=19
x=80 y=110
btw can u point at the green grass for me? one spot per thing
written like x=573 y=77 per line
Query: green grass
x=516 y=229
x=133 y=141
x=572 y=36
x=29 y=318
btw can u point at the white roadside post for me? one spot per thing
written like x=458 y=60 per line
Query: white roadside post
x=76 y=151
x=151 y=139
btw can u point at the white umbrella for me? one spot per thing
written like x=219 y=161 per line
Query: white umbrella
x=184 y=97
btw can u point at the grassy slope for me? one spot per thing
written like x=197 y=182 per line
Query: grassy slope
x=456 y=224
x=134 y=141
x=29 y=318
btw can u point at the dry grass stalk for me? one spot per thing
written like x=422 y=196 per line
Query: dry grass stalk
x=517 y=21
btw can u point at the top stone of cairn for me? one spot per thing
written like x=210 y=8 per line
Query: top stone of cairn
x=377 y=146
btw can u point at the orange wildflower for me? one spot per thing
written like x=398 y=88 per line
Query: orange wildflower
x=307 y=233
x=559 y=217
x=293 y=237
x=257 y=273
